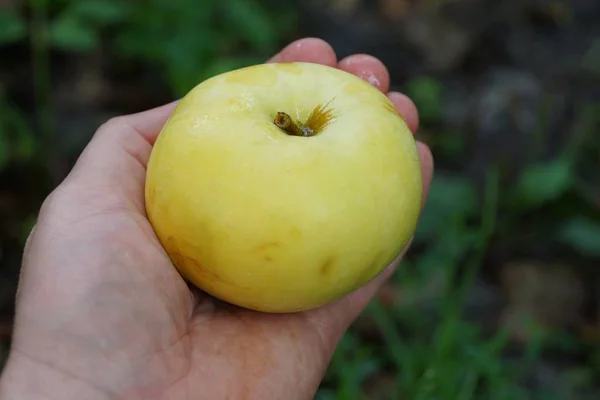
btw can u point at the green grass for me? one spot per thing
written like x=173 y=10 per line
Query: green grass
x=434 y=352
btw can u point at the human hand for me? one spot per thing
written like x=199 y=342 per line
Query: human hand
x=103 y=314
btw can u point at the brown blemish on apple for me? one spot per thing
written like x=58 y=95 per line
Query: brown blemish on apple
x=255 y=75
x=151 y=194
x=328 y=265
x=263 y=248
x=186 y=263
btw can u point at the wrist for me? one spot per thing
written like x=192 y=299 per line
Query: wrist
x=26 y=378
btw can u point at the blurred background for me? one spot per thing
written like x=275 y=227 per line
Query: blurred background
x=499 y=297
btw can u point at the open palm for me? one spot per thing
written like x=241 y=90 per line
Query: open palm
x=101 y=309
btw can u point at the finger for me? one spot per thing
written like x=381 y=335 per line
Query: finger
x=149 y=123
x=368 y=68
x=311 y=50
x=120 y=148
x=137 y=132
x=334 y=319
x=407 y=109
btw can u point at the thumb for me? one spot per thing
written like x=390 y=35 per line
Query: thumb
x=112 y=166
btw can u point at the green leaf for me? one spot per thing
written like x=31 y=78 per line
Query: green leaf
x=543 y=183
x=450 y=144
x=427 y=93
x=140 y=44
x=71 y=34
x=325 y=394
x=451 y=200
x=251 y=22
x=12 y=27
x=103 y=12
x=23 y=143
x=583 y=235
x=24 y=146
x=447 y=249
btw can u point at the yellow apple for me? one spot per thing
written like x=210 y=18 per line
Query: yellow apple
x=282 y=187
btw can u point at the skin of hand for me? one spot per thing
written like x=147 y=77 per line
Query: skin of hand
x=101 y=312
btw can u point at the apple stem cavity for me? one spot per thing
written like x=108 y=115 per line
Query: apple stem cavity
x=320 y=117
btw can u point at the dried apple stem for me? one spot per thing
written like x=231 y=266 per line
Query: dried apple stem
x=286 y=123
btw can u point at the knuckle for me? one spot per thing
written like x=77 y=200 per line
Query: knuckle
x=55 y=202
x=51 y=201
x=112 y=124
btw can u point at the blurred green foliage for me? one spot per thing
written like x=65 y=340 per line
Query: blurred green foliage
x=444 y=357
x=427 y=94
x=188 y=40
x=182 y=42
x=17 y=140
x=437 y=353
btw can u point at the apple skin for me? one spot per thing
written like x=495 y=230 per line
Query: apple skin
x=278 y=223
